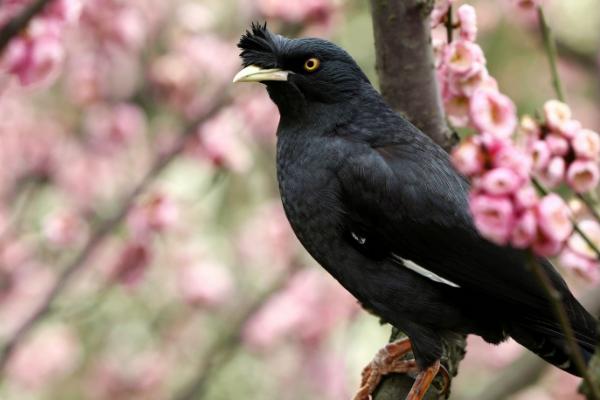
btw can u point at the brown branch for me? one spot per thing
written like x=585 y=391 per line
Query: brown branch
x=20 y=22
x=225 y=348
x=407 y=76
x=98 y=237
x=405 y=64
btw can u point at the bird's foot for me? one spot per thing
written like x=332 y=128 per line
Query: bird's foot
x=386 y=361
x=389 y=360
x=424 y=379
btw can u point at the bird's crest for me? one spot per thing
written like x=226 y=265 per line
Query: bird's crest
x=259 y=46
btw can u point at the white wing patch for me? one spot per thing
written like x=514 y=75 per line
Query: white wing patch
x=422 y=271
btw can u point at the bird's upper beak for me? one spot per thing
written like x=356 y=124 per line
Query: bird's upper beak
x=253 y=73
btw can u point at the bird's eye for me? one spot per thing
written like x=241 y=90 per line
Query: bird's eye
x=312 y=64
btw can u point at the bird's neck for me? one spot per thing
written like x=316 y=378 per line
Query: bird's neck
x=322 y=118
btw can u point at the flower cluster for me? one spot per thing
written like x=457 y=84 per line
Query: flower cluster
x=36 y=55
x=470 y=94
x=578 y=256
x=505 y=206
x=562 y=150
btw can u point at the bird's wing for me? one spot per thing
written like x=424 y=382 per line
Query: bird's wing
x=407 y=197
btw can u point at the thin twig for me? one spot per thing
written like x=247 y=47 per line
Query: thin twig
x=590 y=206
x=449 y=25
x=97 y=238
x=555 y=299
x=228 y=344
x=550 y=48
x=20 y=22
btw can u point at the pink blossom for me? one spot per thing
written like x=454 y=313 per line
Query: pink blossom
x=211 y=57
x=267 y=239
x=36 y=58
x=114 y=23
x=65 y=229
x=290 y=313
x=579 y=256
x=440 y=10
x=586 y=144
x=157 y=213
x=540 y=155
x=176 y=78
x=494 y=217
x=457 y=107
x=48 y=356
x=468 y=86
x=579 y=245
x=500 y=181
x=463 y=59
x=570 y=128
x=529 y=127
x=587 y=268
x=116 y=126
x=525 y=230
x=132 y=262
x=68 y=11
x=141 y=376
x=553 y=217
x=525 y=198
x=467 y=19
x=554 y=173
x=583 y=176
x=513 y=158
x=558 y=145
x=468 y=158
x=557 y=114
x=493 y=112
x=219 y=141
x=261 y=116
x=205 y=284
x=327 y=372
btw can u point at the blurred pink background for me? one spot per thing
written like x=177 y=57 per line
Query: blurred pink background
x=198 y=280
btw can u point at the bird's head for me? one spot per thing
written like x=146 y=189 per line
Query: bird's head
x=299 y=73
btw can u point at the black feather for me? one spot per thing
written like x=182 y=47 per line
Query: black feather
x=259 y=46
x=363 y=188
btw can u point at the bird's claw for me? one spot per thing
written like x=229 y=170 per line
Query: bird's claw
x=389 y=360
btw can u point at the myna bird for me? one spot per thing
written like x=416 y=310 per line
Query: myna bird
x=379 y=205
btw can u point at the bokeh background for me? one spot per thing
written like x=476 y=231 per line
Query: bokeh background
x=187 y=280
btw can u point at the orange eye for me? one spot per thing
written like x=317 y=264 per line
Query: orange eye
x=312 y=64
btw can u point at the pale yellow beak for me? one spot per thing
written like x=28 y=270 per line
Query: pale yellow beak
x=252 y=73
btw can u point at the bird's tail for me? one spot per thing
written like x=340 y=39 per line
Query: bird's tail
x=546 y=338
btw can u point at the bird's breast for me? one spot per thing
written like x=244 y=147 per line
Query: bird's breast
x=309 y=192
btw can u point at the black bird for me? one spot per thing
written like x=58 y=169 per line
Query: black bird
x=379 y=205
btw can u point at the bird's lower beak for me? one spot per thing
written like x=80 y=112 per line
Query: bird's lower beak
x=252 y=73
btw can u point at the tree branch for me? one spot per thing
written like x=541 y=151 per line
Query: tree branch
x=405 y=64
x=20 y=22
x=98 y=237
x=407 y=76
